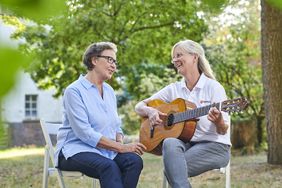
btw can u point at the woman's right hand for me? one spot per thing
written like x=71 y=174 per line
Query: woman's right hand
x=137 y=148
x=154 y=117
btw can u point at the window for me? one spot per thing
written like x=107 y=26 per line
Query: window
x=31 y=106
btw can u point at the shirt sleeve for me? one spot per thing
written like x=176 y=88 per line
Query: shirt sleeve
x=119 y=129
x=118 y=119
x=78 y=118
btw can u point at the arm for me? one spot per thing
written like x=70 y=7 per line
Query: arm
x=119 y=147
x=142 y=109
x=220 y=119
x=77 y=116
x=79 y=122
x=153 y=114
x=216 y=117
x=164 y=94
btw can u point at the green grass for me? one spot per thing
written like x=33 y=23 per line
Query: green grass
x=22 y=168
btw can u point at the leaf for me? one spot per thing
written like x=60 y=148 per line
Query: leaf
x=11 y=61
x=276 y=3
x=37 y=10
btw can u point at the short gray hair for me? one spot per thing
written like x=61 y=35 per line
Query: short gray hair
x=95 y=49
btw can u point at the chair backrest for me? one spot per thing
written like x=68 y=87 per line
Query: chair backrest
x=50 y=128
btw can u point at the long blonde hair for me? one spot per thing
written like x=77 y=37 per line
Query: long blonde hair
x=193 y=47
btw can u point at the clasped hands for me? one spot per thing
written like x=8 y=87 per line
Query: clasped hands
x=137 y=148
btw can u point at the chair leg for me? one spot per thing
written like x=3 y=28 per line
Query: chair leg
x=165 y=182
x=94 y=183
x=227 y=176
x=60 y=178
x=45 y=169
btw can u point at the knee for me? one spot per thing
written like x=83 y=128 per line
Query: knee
x=111 y=166
x=137 y=161
x=171 y=144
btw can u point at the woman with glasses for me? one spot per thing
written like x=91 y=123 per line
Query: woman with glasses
x=209 y=147
x=91 y=139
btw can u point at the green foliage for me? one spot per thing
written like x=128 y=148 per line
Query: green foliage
x=215 y=5
x=37 y=10
x=276 y=3
x=145 y=85
x=239 y=77
x=144 y=79
x=235 y=58
x=3 y=136
x=13 y=59
x=11 y=62
x=143 y=30
x=131 y=121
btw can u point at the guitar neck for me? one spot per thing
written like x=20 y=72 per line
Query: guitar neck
x=192 y=114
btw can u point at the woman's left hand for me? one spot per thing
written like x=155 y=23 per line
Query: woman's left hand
x=215 y=116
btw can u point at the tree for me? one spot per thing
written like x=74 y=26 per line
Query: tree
x=143 y=30
x=12 y=59
x=233 y=49
x=271 y=43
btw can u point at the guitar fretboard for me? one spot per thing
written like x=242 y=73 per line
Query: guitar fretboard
x=191 y=114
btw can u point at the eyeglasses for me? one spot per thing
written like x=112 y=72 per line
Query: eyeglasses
x=109 y=59
x=176 y=57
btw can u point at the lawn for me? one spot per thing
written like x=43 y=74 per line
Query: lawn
x=22 y=167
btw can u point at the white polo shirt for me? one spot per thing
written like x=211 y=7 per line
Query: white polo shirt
x=207 y=91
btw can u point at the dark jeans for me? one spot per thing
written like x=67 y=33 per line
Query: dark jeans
x=121 y=172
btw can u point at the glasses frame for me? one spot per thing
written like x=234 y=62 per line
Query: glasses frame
x=177 y=57
x=180 y=55
x=109 y=59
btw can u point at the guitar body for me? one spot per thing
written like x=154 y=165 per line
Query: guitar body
x=182 y=130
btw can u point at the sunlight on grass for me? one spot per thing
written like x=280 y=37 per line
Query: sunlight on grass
x=20 y=152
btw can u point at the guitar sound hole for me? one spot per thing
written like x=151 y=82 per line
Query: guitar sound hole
x=170 y=119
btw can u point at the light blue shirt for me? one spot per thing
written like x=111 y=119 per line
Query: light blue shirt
x=86 y=118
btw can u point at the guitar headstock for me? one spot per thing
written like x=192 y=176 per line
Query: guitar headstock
x=234 y=105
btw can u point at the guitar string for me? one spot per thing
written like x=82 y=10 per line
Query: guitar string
x=194 y=113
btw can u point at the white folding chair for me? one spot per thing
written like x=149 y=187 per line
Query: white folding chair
x=48 y=129
x=224 y=170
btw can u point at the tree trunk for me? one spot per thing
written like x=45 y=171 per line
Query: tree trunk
x=259 y=130
x=271 y=44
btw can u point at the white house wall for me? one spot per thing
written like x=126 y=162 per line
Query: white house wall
x=13 y=105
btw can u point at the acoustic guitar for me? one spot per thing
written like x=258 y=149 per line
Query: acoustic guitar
x=180 y=121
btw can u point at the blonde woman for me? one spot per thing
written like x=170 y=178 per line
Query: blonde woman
x=209 y=147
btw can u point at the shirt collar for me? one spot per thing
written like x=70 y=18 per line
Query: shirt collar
x=200 y=84
x=86 y=83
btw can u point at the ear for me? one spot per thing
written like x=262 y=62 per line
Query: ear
x=94 y=60
x=195 y=58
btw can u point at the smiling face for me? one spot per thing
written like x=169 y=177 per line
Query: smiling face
x=183 y=61
x=105 y=64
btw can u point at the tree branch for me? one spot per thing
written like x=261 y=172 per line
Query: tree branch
x=152 y=27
